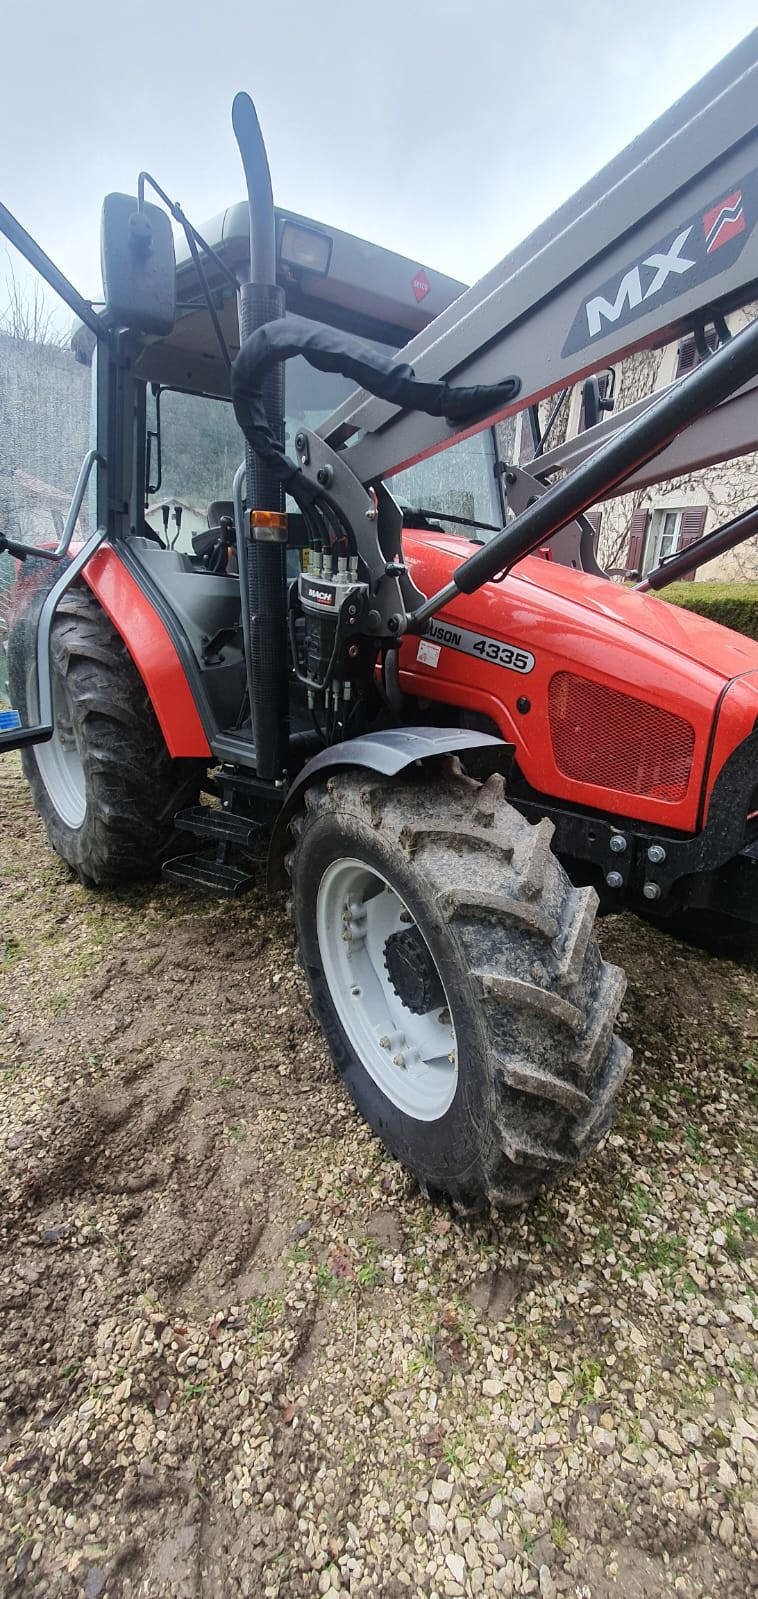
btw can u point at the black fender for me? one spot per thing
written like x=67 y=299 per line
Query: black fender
x=387 y=752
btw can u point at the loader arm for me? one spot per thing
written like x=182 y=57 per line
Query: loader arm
x=660 y=239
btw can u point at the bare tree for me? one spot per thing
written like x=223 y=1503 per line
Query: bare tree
x=27 y=313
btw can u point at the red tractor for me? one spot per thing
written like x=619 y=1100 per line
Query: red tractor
x=461 y=743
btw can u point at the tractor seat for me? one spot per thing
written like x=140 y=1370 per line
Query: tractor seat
x=217 y=509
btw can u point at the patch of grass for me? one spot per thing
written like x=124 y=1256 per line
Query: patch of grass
x=416 y=1363
x=195 y=1389
x=586 y=1375
x=457 y=1452
x=559 y=1533
x=641 y=1202
x=84 y=962
x=694 y=1139
x=512 y=1463
x=665 y=1253
x=263 y=1309
x=527 y=1539
x=299 y=1255
x=746 y=1371
x=329 y=1285
x=59 y=1002
x=239 y=1134
x=740 y=1232
x=369 y=1274
x=11 y=950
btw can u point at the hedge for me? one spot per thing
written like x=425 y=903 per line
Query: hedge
x=735 y=605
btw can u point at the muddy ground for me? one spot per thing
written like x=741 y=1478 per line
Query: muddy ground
x=240 y=1355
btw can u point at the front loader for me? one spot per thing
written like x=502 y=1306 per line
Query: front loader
x=461 y=737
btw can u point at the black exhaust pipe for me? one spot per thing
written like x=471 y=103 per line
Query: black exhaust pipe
x=261 y=301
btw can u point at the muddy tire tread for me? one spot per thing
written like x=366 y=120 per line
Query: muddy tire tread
x=525 y=942
x=134 y=786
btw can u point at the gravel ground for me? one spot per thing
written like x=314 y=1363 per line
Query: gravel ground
x=240 y=1355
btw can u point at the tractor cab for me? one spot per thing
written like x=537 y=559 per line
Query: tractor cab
x=192 y=441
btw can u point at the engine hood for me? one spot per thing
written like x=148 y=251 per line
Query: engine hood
x=707 y=643
x=600 y=689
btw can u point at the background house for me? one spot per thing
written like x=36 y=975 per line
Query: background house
x=635 y=530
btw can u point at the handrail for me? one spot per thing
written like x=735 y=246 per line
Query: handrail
x=17 y=737
x=16 y=548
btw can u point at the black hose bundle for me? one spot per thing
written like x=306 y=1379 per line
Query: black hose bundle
x=331 y=351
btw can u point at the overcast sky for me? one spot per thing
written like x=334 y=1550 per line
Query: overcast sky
x=445 y=129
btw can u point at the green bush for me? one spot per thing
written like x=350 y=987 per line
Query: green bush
x=734 y=605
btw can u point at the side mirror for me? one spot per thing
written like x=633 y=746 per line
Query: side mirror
x=139 y=265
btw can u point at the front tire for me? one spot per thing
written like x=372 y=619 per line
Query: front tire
x=494 y=1067
x=105 y=785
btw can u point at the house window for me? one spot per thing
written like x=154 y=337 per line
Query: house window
x=663 y=537
x=655 y=534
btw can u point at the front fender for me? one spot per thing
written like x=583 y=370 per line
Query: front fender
x=387 y=752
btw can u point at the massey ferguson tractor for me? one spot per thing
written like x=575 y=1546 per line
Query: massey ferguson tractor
x=461 y=744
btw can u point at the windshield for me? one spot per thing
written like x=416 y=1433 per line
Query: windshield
x=202 y=446
x=460 y=480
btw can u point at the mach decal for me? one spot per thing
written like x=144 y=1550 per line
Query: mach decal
x=699 y=248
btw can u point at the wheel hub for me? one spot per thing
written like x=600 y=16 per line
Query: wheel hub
x=412 y=972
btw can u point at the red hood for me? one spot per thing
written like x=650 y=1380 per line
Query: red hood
x=708 y=643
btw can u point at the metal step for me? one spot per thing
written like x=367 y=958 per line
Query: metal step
x=207 y=876
x=224 y=827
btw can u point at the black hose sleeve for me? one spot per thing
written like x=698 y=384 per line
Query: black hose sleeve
x=329 y=350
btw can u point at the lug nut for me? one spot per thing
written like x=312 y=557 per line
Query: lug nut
x=384 y=1043
x=651 y=891
x=617 y=843
x=614 y=880
x=398 y=1060
x=656 y=854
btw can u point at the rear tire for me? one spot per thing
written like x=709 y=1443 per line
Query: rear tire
x=511 y=957
x=105 y=786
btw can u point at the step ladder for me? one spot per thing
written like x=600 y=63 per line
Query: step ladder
x=213 y=874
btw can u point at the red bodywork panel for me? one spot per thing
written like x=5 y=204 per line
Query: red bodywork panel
x=151 y=647
x=611 y=675
x=598 y=648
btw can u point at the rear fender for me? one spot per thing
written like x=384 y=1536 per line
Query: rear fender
x=153 y=651
x=388 y=753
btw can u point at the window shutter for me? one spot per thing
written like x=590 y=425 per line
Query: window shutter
x=691 y=528
x=686 y=356
x=637 y=531
x=594 y=518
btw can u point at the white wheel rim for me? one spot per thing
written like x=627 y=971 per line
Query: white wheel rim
x=59 y=762
x=412 y=1059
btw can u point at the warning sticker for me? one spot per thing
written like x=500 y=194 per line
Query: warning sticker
x=428 y=654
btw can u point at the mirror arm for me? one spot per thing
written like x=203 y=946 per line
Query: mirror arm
x=190 y=231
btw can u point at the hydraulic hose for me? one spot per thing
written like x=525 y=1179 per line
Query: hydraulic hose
x=331 y=351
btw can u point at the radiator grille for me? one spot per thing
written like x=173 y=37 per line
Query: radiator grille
x=602 y=736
